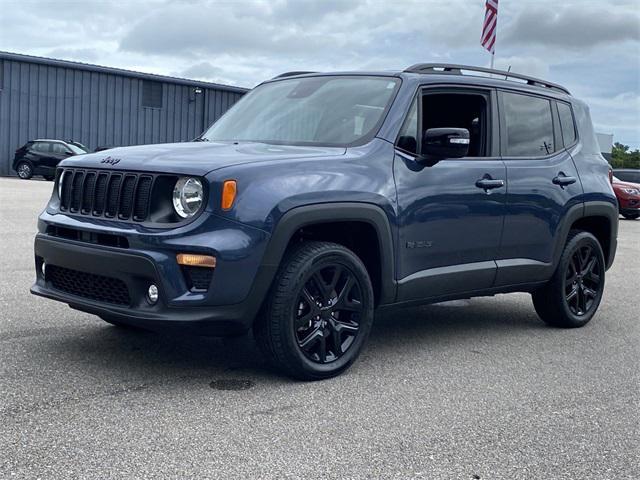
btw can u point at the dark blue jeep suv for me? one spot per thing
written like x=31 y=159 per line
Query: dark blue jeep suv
x=320 y=197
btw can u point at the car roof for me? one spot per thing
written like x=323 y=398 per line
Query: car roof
x=478 y=76
x=48 y=140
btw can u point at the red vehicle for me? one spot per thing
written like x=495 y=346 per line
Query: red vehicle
x=628 y=195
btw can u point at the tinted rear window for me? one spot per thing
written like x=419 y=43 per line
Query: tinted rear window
x=529 y=125
x=567 y=124
x=627 y=176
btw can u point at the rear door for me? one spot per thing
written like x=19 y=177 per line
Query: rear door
x=543 y=185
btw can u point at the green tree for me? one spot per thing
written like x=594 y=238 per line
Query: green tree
x=623 y=157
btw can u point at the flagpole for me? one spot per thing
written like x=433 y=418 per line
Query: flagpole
x=493 y=54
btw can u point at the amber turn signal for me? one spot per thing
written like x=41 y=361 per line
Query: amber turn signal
x=228 y=194
x=193 y=260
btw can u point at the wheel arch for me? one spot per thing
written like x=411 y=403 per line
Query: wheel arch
x=598 y=218
x=308 y=221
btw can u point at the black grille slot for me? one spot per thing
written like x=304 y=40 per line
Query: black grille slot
x=142 y=197
x=88 y=193
x=101 y=194
x=126 y=199
x=66 y=179
x=88 y=285
x=113 y=196
x=122 y=195
x=198 y=278
x=76 y=193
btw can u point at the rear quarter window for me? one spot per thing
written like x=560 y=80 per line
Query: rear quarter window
x=567 y=124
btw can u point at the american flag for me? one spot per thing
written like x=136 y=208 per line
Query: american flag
x=488 y=38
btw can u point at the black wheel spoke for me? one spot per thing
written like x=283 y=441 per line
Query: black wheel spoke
x=583 y=280
x=314 y=337
x=594 y=277
x=337 y=340
x=572 y=295
x=322 y=349
x=328 y=313
x=305 y=320
x=588 y=292
x=346 y=327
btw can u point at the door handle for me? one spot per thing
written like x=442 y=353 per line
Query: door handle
x=562 y=180
x=487 y=183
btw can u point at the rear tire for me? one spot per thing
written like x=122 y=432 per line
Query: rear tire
x=318 y=312
x=24 y=170
x=572 y=296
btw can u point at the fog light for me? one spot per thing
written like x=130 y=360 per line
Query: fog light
x=152 y=294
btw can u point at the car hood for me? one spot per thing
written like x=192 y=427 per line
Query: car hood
x=627 y=185
x=193 y=158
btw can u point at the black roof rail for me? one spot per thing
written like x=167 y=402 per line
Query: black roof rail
x=290 y=74
x=446 y=68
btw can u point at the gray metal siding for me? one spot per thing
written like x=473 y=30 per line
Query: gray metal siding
x=96 y=108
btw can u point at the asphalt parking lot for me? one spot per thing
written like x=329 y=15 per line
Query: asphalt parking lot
x=464 y=390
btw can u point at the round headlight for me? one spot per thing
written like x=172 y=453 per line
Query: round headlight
x=187 y=196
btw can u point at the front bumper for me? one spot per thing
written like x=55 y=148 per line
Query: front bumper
x=229 y=307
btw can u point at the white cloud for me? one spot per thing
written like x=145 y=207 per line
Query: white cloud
x=591 y=46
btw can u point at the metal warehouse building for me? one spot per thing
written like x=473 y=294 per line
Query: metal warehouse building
x=99 y=106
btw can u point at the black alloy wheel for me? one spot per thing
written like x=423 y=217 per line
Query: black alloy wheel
x=571 y=297
x=318 y=313
x=582 y=280
x=327 y=318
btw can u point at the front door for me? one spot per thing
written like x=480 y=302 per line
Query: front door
x=450 y=214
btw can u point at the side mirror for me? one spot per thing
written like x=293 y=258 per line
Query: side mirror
x=441 y=143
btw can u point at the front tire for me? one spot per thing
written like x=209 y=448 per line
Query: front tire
x=318 y=313
x=572 y=296
x=24 y=170
x=631 y=216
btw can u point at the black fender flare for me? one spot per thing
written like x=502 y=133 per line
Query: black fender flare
x=584 y=210
x=300 y=217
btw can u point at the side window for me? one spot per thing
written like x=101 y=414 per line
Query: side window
x=58 y=148
x=459 y=110
x=567 y=124
x=448 y=110
x=408 y=139
x=41 y=147
x=529 y=125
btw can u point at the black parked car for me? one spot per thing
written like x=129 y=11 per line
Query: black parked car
x=79 y=145
x=41 y=157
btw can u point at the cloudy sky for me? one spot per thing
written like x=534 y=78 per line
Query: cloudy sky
x=592 y=47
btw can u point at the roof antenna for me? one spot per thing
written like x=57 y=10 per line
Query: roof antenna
x=508 y=70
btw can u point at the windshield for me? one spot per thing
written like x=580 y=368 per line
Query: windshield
x=331 y=110
x=76 y=150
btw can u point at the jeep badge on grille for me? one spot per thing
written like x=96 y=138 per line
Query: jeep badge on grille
x=110 y=160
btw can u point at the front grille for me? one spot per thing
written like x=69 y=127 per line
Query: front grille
x=125 y=196
x=88 y=285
